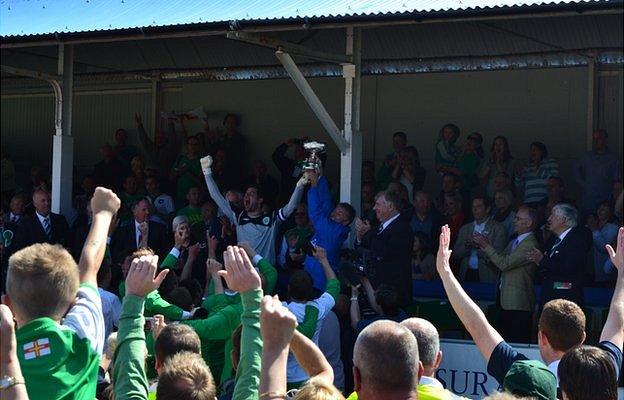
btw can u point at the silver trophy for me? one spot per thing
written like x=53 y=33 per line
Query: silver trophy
x=313 y=162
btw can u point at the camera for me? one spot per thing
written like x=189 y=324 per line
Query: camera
x=312 y=162
x=357 y=263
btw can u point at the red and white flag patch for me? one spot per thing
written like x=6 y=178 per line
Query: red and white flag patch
x=37 y=348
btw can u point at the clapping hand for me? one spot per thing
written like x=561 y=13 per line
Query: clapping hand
x=481 y=241
x=535 y=255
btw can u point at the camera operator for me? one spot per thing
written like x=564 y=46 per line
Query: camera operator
x=390 y=244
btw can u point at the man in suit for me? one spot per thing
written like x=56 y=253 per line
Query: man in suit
x=141 y=232
x=515 y=297
x=563 y=265
x=390 y=244
x=42 y=227
x=474 y=264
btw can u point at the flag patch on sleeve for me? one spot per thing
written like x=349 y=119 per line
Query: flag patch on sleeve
x=36 y=348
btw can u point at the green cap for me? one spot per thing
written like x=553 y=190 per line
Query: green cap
x=531 y=378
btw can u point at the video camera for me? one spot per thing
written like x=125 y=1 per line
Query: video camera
x=356 y=263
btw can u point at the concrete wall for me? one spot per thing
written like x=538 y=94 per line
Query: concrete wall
x=549 y=105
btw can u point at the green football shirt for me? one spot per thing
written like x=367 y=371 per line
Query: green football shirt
x=61 y=361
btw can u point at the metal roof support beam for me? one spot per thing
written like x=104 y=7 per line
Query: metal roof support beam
x=288 y=47
x=63 y=142
x=351 y=159
x=29 y=73
x=312 y=99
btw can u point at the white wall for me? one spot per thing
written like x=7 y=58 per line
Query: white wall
x=524 y=105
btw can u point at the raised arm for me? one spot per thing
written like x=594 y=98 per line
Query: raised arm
x=311 y=358
x=145 y=140
x=613 y=330
x=241 y=276
x=9 y=362
x=295 y=199
x=484 y=335
x=104 y=204
x=213 y=189
x=129 y=377
x=277 y=326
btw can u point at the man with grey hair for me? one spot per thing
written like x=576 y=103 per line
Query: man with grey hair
x=390 y=244
x=563 y=265
x=515 y=298
x=386 y=363
x=430 y=355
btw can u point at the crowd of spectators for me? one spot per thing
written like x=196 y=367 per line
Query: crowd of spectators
x=185 y=273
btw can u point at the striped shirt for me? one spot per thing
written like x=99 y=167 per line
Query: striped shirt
x=533 y=180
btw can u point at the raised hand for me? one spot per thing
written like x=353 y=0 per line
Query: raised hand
x=104 y=201
x=142 y=278
x=444 y=253
x=158 y=325
x=193 y=251
x=212 y=243
x=181 y=238
x=362 y=227
x=251 y=253
x=206 y=164
x=617 y=256
x=213 y=266
x=239 y=274
x=319 y=253
x=304 y=180
x=138 y=119
x=277 y=323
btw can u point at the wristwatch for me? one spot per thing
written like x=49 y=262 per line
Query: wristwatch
x=9 y=381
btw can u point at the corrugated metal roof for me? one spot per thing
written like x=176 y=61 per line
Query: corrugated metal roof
x=44 y=17
x=409 y=42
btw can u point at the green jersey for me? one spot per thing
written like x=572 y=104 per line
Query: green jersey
x=193 y=214
x=61 y=361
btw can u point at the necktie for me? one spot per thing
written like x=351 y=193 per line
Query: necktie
x=140 y=238
x=515 y=244
x=554 y=246
x=47 y=227
x=14 y=218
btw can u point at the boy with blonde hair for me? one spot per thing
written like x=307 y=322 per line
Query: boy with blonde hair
x=58 y=310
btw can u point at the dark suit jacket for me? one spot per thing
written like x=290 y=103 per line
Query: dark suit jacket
x=124 y=238
x=30 y=231
x=566 y=267
x=392 y=250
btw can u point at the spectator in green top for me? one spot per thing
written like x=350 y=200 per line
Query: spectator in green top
x=193 y=211
x=187 y=169
x=468 y=162
x=58 y=310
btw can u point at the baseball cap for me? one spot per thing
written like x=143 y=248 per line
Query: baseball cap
x=531 y=378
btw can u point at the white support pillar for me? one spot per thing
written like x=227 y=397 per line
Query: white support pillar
x=63 y=144
x=591 y=101
x=351 y=158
